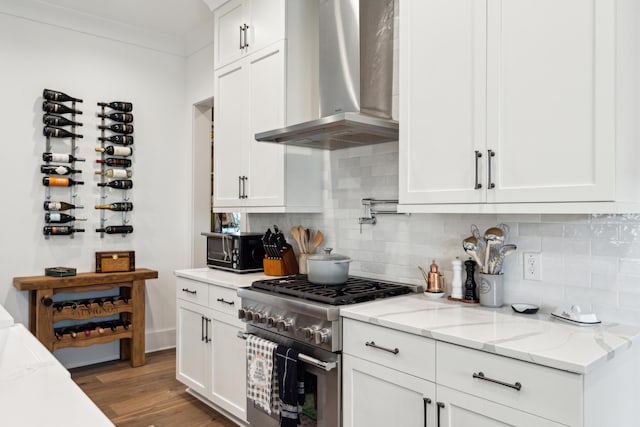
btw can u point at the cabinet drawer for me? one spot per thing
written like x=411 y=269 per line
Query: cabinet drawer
x=224 y=300
x=415 y=355
x=191 y=290
x=546 y=392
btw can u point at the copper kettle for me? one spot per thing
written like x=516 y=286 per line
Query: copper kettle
x=434 y=279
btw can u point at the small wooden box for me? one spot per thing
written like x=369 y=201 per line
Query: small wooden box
x=111 y=262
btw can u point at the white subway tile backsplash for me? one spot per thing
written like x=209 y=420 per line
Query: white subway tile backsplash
x=593 y=260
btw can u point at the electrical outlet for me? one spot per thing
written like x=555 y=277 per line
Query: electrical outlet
x=532 y=266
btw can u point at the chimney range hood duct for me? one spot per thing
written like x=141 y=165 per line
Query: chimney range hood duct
x=355 y=78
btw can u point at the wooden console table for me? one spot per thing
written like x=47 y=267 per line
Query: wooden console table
x=130 y=307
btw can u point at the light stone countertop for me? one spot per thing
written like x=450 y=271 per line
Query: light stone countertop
x=223 y=278
x=536 y=338
x=5 y=318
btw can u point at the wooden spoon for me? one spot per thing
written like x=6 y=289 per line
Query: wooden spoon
x=296 y=236
x=303 y=239
x=316 y=241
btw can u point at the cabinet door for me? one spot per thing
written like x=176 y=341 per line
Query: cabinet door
x=230 y=147
x=376 y=396
x=442 y=104
x=266 y=23
x=229 y=38
x=265 y=183
x=228 y=368
x=550 y=100
x=461 y=409
x=192 y=350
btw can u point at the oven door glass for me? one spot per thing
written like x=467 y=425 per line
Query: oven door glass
x=219 y=249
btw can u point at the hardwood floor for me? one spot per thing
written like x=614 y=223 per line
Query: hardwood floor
x=145 y=396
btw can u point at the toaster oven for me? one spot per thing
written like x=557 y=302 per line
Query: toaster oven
x=240 y=252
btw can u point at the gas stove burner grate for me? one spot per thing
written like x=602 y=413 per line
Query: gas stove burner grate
x=355 y=290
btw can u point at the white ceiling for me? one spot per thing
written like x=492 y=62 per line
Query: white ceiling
x=171 y=17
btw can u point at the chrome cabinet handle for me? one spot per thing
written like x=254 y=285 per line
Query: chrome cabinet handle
x=440 y=406
x=244 y=187
x=426 y=401
x=187 y=290
x=225 y=301
x=374 y=345
x=202 y=338
x=478 y=185
x=240 y=37
x=491 y=184
x=240 y=181
x=208 y=323
x=481 y=376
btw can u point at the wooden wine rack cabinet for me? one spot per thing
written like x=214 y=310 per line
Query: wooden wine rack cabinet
x=131 y=287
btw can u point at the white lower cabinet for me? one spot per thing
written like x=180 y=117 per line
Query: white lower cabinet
x=374 y=395
x=210 y=358
x=383 y=386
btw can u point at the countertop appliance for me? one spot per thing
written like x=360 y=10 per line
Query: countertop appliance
x=355 y=79
x=239 y=252
x=295 y=312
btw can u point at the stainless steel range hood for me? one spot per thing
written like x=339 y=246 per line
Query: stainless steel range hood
x=355 y=78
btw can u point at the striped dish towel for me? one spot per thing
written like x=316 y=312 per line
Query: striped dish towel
x=262 y=381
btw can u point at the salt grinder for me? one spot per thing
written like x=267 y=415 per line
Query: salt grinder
x=470 y=283
x=456 y=282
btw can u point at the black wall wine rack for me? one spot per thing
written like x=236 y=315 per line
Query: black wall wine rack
x=60 y=171
x=116 y=150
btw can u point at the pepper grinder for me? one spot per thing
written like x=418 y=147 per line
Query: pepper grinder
x=470 y=284
x=456 y=281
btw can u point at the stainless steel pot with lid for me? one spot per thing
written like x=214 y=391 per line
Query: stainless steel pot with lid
x=328 y=268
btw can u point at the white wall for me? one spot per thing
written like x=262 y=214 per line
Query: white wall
x=36 y=55
x=593 y=260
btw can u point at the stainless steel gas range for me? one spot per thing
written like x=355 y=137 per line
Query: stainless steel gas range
x=306 y=316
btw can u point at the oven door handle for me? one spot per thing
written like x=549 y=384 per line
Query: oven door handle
x=325 y=366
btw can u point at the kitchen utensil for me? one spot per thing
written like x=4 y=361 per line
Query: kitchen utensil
x=308 y=240
x=575 y=315
x=317 y=241
x=495 y=265
x=295 y=233
x=525 y=308
x=303 y=239
x=470 y=245
x=435 y=280
x=328 y=268
x=493 y=236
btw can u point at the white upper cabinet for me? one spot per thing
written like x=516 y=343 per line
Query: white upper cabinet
x=265 y=89
x=245 y=26
x=511 y=105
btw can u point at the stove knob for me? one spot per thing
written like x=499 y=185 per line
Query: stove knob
x=322 y=336
x=242 y=313
x=284 y=324
x=259 y=317
x=248 y=314
x=272 y=321
x=309 y=332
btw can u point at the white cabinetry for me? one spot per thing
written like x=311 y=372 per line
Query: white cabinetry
x=245 y=26
x=210 y=358
x=387 y=377
x=531 y=87
x=265 y=89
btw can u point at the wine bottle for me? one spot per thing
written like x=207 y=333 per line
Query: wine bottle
x=55 y=107
x=118 y=127
x=118 y=117
x=125 y=107
x=116 y=151
x=58 y=170
x=115 y=173
x=119 y=139
x=59 y=133
x=52 y=181
x=59 y=206
x=53 y=120
x=120 y=184
x=58 y=157
x=119 y=206
x=60 y=218
x=116 y=229
x=114 y=161
x=60 y=230
x=54 y=95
